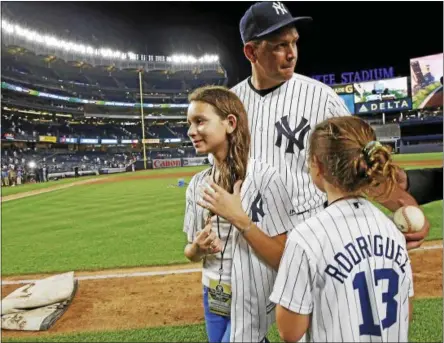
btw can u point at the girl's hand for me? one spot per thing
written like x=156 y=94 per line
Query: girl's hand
x=207 y=241
x=220 y=202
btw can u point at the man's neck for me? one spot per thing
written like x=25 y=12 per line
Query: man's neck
x=263 y=83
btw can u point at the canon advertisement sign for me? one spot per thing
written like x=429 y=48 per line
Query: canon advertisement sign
x=158 y=164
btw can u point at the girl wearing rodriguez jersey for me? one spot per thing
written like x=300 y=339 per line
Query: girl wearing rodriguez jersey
x=236 y=219
x=345 y=274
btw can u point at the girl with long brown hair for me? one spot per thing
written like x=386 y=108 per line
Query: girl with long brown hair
x=236 y=219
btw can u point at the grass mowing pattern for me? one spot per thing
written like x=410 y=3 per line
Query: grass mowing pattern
x=129 y=223
x=425 y=327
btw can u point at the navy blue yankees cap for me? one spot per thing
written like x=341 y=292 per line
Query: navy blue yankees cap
x=265 y=17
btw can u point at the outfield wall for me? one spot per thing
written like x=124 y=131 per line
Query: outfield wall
x=421 y=148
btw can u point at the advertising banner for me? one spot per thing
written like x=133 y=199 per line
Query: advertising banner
x=151 y=140
x=6 y=85
x=167 y=163
x=130 y=141
x=346 y=92
x=68 y=140
x=426 y=75
x=194 y=161
x=108 y=141
x=89 y=141
x=172 y=140
x=382 y=96
x=49 y=139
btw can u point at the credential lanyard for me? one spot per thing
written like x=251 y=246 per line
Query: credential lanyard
x=221 y=269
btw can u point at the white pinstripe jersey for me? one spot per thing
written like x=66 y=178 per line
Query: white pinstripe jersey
x=280 y=123
x=348 y=266
x=267 y=202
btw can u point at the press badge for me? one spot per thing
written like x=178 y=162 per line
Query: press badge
x=219 y=298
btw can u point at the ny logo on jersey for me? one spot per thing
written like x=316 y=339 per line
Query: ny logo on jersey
x=257 y=208
x=284 y=130
x=279 y=7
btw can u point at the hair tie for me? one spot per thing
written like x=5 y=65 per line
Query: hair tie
x=370 y=147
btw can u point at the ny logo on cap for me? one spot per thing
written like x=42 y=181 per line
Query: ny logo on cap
x=279 y=7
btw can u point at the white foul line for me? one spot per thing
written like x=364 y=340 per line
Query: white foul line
x=115 y=276
x=430 y=247
x=159 y=273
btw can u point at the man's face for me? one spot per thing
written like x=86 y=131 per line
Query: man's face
x=277 y=56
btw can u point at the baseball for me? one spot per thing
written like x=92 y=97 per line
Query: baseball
x=409 y=219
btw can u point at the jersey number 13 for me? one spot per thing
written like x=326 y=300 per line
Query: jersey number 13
x=368 y=327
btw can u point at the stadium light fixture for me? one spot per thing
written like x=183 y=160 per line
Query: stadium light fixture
x=189 y=59
x=52 y=41
x=31 y=164
x=9 y=28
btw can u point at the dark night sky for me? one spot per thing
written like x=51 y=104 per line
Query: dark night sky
x=345 y=36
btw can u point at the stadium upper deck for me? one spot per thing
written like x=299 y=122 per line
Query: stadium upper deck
x=46 y=64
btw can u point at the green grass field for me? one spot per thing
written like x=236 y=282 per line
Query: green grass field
x=132 y=223
x=96 y=226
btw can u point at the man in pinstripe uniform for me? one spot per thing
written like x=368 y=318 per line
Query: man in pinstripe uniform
x=283 y=106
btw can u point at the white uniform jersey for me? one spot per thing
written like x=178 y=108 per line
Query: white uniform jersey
x=267 y=202
x=348 y=267
x=280 y=123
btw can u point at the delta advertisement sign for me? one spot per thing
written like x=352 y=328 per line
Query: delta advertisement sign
x=382 y=96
